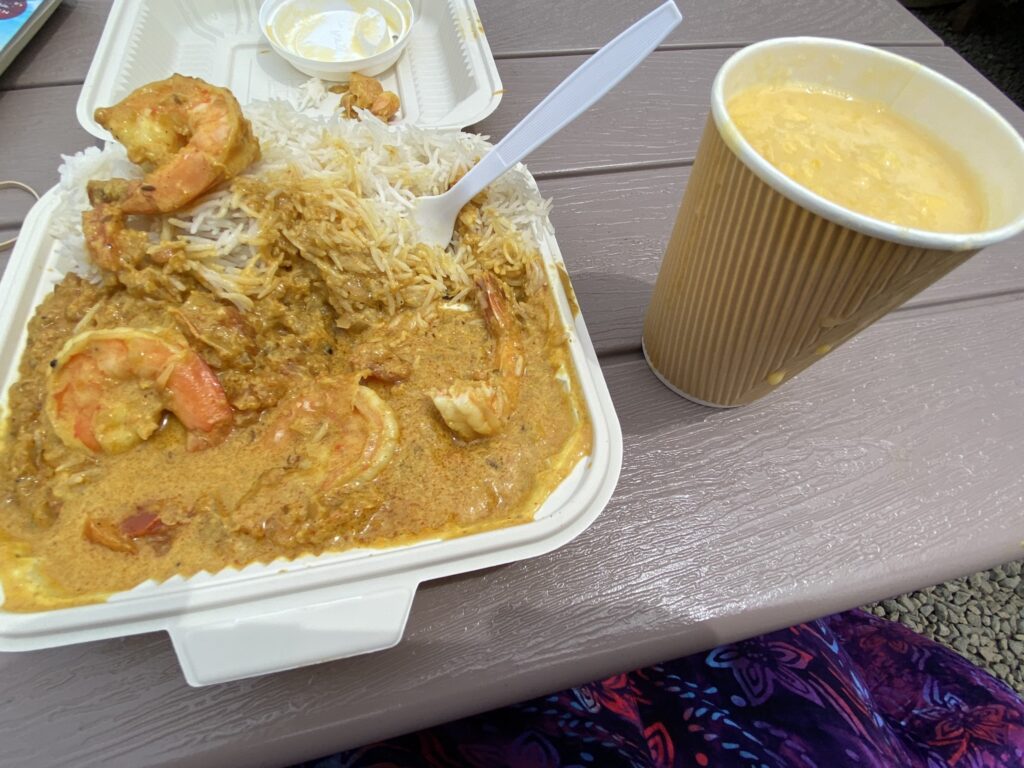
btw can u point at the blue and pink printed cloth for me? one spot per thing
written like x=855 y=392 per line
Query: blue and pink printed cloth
x=845 y=691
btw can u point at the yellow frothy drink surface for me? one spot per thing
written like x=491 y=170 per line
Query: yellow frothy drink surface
x=861 y=155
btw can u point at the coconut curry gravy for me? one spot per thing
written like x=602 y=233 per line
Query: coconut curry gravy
x=334 y=442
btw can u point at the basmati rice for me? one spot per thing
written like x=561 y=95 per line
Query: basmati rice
x=346 y=188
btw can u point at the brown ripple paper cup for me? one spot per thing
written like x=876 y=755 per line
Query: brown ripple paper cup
x=762 y=277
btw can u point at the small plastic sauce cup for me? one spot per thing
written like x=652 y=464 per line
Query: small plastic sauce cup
x=331 y=39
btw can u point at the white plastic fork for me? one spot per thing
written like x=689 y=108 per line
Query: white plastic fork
x=435 y=216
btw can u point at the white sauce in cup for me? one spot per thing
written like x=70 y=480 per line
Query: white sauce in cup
x=337 y=31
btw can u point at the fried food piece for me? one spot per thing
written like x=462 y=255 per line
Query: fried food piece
x=386 y=106
x=368 y=93
x=192 y=135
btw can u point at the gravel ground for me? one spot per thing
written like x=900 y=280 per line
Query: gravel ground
x=980 y=616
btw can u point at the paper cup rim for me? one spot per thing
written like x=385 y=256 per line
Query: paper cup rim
x=801 y=195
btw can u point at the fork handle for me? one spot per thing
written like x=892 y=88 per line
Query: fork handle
x=592 y=80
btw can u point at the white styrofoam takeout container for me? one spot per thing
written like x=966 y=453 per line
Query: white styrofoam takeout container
x=266 y=618
x=445 y=78
x=286 y=614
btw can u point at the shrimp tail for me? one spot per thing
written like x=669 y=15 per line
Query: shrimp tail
x=168 y=188
x=111 y=245
x=195 y=396
x=475 y=409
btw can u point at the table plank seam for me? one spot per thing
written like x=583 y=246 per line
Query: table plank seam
x=992 y=297
x=558 y=52
x=48 y=84
x=540 y=54
x=610 y=352
x=599 y=170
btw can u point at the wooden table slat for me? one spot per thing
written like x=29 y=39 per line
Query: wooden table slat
x=670 y=91
x=657 y=114
x=612 y=229
x=62 y=51
x=541 y=27
x=38 y=126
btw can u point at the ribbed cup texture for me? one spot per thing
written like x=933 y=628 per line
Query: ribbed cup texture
x=753 y=288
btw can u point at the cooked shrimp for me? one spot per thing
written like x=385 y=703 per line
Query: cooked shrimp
x=109 y=389
x=380 y=362
x=193 y=133
x=342 y=427
x=110 y=243
x=473 y=409
x=332 y=437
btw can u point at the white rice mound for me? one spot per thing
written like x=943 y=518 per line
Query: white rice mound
x=391 y=165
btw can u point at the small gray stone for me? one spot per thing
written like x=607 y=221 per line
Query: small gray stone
x=989 y=654
x=961 y=597
x=960 y=643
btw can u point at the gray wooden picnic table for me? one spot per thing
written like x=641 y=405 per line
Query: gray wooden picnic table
x=892 y=464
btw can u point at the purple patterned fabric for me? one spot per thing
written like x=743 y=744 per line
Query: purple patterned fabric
x=846 y=690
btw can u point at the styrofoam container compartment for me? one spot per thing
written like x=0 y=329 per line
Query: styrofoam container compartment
x=266 y=618
x=445 y=78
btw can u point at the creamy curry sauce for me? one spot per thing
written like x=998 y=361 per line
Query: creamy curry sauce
x=76 y=525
